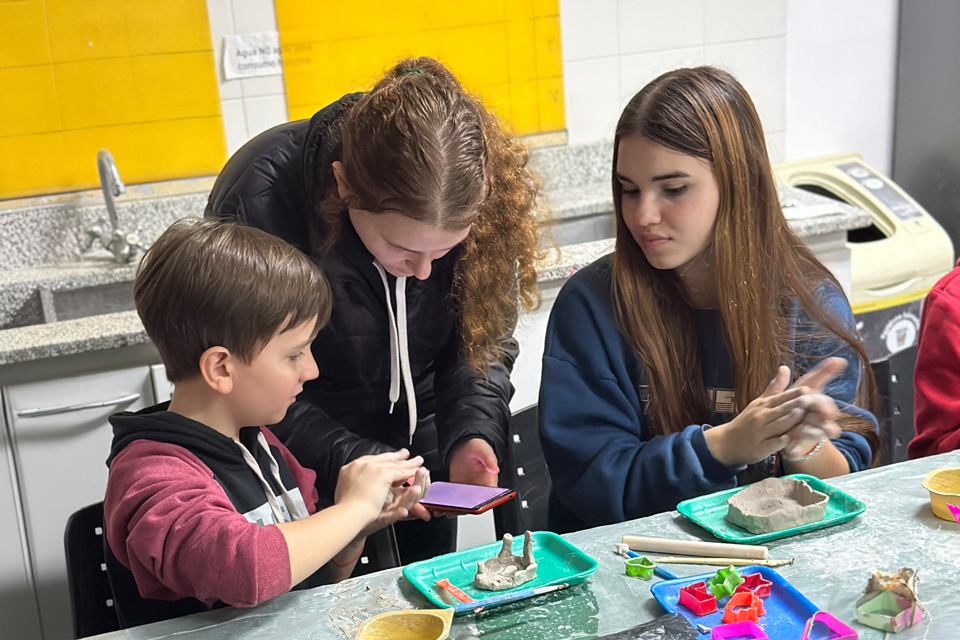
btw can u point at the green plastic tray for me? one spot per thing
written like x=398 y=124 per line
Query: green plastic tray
x=710 y=513
x=558 y=561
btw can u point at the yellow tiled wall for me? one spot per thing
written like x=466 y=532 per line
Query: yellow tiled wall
x=505 y=51
x=136 y=77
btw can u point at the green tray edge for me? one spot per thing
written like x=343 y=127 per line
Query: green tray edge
x=685 y=509
x=494 y=547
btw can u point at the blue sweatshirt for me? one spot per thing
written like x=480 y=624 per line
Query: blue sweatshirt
x=605 y=462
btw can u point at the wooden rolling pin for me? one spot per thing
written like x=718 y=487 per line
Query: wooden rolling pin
x=695 y=548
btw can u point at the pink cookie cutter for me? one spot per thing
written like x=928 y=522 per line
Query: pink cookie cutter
x=838 y=630
x=746 y=630
x=954 y=511
x=743 y=606
x=696 y=598
x=754 y=582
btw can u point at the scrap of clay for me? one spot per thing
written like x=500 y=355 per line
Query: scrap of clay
x=505 y=570
x=776 y=504
x=903 y=583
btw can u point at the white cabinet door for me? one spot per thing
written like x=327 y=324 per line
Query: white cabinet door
x=62 y=439
x=19 y=617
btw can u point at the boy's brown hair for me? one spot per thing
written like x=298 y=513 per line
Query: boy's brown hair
x=216 y=283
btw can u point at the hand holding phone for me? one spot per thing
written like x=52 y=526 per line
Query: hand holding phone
x=453 y=497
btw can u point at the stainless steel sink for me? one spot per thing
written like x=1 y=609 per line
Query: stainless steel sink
x=83 y=302
x=587 y=228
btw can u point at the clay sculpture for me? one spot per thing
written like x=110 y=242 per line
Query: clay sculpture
x=505 y=570
x=776 y=504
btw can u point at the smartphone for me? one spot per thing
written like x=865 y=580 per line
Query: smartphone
x=464 y=498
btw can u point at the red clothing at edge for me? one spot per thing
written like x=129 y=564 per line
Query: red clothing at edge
x=936 y=379
x=172 y=525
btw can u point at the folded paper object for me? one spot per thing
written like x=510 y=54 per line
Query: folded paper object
x=889 y=601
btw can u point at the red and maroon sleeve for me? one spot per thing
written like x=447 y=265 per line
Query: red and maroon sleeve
x=172 y=525
x=936 y=378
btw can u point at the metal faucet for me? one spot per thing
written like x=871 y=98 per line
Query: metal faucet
x=123 y=246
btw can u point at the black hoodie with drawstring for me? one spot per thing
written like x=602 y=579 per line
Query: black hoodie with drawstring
x=186 y=514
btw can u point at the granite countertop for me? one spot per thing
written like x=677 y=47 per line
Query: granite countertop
x=577 y=188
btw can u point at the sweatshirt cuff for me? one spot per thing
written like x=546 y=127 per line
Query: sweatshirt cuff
x=713 y=469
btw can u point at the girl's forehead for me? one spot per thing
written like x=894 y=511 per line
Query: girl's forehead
x=413 y=235
x=639 y=154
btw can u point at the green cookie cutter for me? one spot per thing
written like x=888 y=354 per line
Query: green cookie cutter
x=640 y=567
x=724 y=582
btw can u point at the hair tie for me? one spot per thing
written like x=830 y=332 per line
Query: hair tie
x=414 y=71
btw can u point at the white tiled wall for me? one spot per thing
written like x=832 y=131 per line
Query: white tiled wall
x=249 y=105
x=841 y=78
x=612 y=48
x=821 y=73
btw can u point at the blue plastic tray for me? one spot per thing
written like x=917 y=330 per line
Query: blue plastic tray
x=710 y=512
x=558 y=561
x=787 y=610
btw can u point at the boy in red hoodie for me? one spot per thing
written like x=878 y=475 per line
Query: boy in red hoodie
x=936 y=377
x=204 y=506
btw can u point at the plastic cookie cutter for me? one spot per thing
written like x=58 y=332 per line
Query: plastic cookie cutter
x=696 y=598
x=743 y=606
x=888 y=612
x=954 y=511
x=660 y=572
x=837 y=630
x=746 y=630
x=641 y=567
x=724 y=582
x=754 y=582
x=447 y=586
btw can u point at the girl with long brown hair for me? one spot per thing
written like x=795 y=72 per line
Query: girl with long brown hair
x=419 y=208
x=667 y=364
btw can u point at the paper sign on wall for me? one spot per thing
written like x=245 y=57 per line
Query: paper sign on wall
x=252 y=54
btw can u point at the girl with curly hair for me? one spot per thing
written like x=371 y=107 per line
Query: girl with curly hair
x=667 y=367
x=420 y=210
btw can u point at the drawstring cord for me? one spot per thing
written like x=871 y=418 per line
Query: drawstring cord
x=399 y=349
x=293 y=509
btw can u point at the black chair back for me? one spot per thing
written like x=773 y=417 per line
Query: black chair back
x=895 y=404
x=380 y=552
x=525 y=470
x=90 y=596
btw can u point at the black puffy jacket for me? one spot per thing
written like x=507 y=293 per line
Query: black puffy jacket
x=274 y=183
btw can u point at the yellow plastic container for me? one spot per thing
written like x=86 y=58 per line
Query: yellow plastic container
x=415 y=624
x=944 y=487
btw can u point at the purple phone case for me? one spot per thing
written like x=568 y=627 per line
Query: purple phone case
x=461 y=496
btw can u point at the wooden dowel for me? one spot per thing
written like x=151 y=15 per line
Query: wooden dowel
x=723 y=562
x=695 y=548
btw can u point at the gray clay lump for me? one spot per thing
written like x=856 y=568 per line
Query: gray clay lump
x=776 y=504
x=505 y=570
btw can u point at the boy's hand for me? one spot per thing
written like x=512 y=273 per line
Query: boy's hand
x=374 y=482
x=404 y=505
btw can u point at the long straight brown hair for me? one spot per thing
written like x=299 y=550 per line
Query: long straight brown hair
x=761 y=266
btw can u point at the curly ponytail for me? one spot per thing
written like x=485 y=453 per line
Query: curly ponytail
x=418 y=144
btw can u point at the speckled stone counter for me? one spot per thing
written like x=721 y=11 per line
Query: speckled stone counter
x=96 y=333
x=41 y=239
